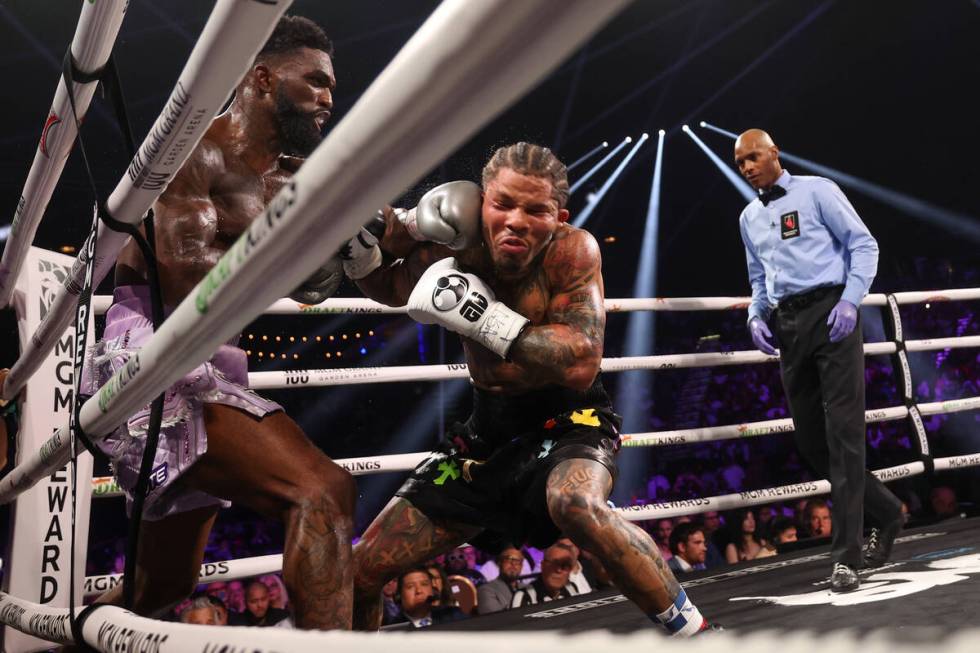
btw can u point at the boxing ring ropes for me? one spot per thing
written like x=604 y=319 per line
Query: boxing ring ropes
x=448 y=59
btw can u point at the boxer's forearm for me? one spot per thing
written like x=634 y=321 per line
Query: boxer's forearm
x=559 y=353
x=389 y=285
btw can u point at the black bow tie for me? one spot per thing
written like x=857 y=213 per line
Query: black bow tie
x=772 y=194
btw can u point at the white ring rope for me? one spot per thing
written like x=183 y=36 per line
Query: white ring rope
x=453 y=45
x=104 y=487
x=210 y=572
x=445 y=372
x=229 y=42
x=435 y=93
x=101 y=303
x=256 y=566
x=109 y=629
x=91 y=46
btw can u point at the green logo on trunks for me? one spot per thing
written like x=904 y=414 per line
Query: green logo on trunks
x=449 y=469
x=546 y=447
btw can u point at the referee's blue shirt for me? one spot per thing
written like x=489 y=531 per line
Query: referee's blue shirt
x=809 y=237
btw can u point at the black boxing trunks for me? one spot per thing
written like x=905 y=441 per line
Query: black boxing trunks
x=491 y=471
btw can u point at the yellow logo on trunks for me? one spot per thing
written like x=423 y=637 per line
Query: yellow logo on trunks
x=449 y=469
x=584 y=417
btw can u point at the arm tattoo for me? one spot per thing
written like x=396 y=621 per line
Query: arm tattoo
x=570 y=343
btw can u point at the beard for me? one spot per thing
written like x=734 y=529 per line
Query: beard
x=298 y=133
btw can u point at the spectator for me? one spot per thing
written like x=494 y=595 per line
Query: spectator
x=390 y=606
x=235 y=596
x=258 y=610
x=942 y=499
x=710 y=524
x=441 y=594
x=497 y=594
x=689 y=547
x=553 y=583
x=783 y=530
x=490 y=569
x=200 y=611
x=219 y=590
x=816 y=517
x=577 y=576
x=764 y=521
x=662 y=537
x=744 y=544
x=222 y=609
x=278 y=597
x=462 y=561
x=415 y=594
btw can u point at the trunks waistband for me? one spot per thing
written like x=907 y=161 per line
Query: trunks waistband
x=528 y=411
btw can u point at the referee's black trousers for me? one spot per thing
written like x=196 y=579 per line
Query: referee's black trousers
x=824 y=384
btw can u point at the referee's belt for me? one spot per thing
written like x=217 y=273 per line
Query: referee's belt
x=799 y=301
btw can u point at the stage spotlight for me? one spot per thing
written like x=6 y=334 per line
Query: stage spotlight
x=661 y=132
x=685 y=128
x=703 y=124
x=594 y=169
x=740 y=184
x=634 y=386
x=587 y=155
x=594 y=202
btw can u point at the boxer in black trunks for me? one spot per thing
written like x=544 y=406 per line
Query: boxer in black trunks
x=537 y=456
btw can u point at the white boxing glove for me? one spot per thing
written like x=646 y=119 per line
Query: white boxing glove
x=449 y=214
x=463 y=303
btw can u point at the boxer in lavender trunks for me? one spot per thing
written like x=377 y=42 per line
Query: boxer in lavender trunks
x=219 y=441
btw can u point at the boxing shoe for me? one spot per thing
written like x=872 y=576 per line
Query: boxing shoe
x=878 y=548
x=843 y=579
x=707 y=628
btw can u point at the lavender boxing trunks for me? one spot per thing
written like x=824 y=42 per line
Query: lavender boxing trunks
x=221 y=380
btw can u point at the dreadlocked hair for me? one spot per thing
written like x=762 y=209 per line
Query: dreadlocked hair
x=533 y=160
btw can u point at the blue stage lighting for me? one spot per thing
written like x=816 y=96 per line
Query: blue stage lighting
x=594 y=169
x=593 y=202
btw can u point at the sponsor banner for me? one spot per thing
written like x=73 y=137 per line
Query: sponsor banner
x=957 y=462
x=38 y=565
x=899 y=471
x=105 y=486
x=210 y=572
x=44 y=624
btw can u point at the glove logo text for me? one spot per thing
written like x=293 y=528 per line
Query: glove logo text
x=474 y=307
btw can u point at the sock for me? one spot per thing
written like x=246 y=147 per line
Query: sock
x=682 y=619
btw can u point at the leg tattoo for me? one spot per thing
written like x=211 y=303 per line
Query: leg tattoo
x=398 y=539
x=316 y=564
x=577 y=491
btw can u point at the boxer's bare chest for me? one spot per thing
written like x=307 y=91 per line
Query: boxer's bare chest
x=239 y=196
x=529 y=296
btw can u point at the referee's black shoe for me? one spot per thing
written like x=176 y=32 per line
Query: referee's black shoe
x=878 y=548
x=844 y=579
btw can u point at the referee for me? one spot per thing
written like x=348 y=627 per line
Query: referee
x=811 y=261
